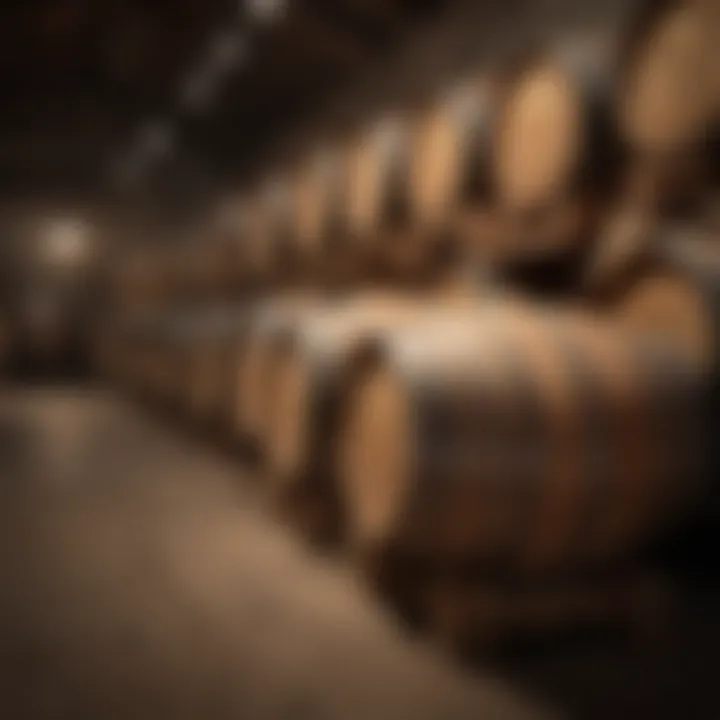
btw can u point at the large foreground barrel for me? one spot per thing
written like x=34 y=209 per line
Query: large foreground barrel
x=310 y=354
x=528 y=441
x=310 y=381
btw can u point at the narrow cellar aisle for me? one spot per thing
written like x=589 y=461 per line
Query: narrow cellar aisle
x=140 y=578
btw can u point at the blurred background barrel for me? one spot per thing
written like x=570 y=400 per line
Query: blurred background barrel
x=255 y=368
x=450 y=178
x=378 y=199
x=579 y=141
x=320 y=210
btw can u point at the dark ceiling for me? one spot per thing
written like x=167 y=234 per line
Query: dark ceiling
x=81 y=78
x=95 y=92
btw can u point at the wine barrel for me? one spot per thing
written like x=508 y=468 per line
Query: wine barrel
x=320 y=195
x=268 y=227
x=184 y=339
x=254 y=370
x=310 y=379
x=675 y=296
x=612 y=111
x=450 y=171
x=624 y=240
x=194 y=371
x=667 y=96
x=673 y=309
x=314 y=348
x=555 y=149
x=529 y=441
x=667 y=107
x=378 y=198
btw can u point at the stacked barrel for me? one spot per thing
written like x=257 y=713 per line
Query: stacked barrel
x=477 y=329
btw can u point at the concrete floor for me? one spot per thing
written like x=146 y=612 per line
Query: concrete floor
x=140 y=578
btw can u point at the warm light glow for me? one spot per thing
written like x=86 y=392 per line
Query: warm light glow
x=66 y=242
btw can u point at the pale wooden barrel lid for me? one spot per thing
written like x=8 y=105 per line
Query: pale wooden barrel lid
x=540 y=137
x=445 y=150
x=318 y=189
x=669 y=93
x=666 y=305
x=374 y=183
x=375 y=455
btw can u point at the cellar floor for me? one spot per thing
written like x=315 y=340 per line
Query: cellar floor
x=140 y=577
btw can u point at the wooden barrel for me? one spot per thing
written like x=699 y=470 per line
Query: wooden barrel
x=213 y=363
x=673 y=309
x=230 y=355
x=378 y=198
x=555 y=151
x=450 y=172
x=268 y=227
x=675 y=295
x=310 y=379
x=320 y=195
x=161 y=360
x=183 y=340
x=668 y=108
x=228 y=233
x=255 y=363
x=610 y=112
x=530 y=442
x=313 y=349
x=667 y=95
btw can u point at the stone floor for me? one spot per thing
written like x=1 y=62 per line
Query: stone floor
x=141 y=578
